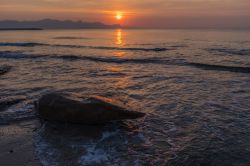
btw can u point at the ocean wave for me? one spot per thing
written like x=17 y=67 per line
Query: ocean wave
x=237 y=69
x=14 y=55
x=8 y=102
x=113 y=48
x=169 y=45
x=161 y=61
x=71 y=38
x=4 y=69
x=31 y=44
x=19 y=55
x=24 y=44
x=230 y=51
x=19 y=111
x=113 y=60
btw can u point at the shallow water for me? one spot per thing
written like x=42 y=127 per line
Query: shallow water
x=193 y=85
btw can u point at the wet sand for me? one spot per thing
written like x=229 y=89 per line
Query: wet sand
x=16 y=144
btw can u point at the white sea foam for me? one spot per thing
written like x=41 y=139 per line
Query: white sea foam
x=108 y=134
x=45 y=152
x=93 y=155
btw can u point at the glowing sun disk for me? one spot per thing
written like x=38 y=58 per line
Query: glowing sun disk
x=118 y=16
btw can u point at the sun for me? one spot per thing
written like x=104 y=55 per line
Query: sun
x=119 y=16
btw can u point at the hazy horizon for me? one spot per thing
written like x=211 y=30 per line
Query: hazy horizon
x=146 y=14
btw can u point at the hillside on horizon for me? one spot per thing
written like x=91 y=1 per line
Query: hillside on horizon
x=54 y=24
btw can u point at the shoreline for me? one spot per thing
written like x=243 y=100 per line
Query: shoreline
x=17 y=144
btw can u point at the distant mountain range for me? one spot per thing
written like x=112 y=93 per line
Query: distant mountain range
x=54 y=24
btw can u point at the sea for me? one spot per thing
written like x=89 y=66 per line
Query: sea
x=193 y=85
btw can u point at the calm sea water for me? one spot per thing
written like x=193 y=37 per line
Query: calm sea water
x=193 y=85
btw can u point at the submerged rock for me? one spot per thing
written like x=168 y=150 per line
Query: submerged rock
x=95 y=110
x=4 y=69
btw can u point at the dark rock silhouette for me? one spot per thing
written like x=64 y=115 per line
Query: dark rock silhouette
x=53 y=24
x=95 y=110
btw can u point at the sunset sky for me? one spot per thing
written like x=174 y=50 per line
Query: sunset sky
x=144 y=13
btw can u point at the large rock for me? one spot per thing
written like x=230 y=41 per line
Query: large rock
x=95 y=110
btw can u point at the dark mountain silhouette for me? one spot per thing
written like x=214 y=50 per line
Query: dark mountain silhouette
x=53 y=24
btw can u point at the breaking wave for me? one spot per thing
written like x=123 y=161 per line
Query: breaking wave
x=4 y=69
x=237 y=69
x=14 y=55
x=71 y=38
x=81 y=46
x=19 y=55
x=28 y=44
x=230 y=51
x=161 y=61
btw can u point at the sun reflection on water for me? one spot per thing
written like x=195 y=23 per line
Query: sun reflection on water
x=120 y=54
x=119 y=37
x=119 y=41
x=114 y=69
x=121 y=81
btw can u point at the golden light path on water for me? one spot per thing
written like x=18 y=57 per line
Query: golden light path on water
x=119 y=41
x=119 y=37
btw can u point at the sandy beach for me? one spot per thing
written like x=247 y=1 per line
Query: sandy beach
x=16 y=142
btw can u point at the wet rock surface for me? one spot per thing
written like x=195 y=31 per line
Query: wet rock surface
x=94 y=110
